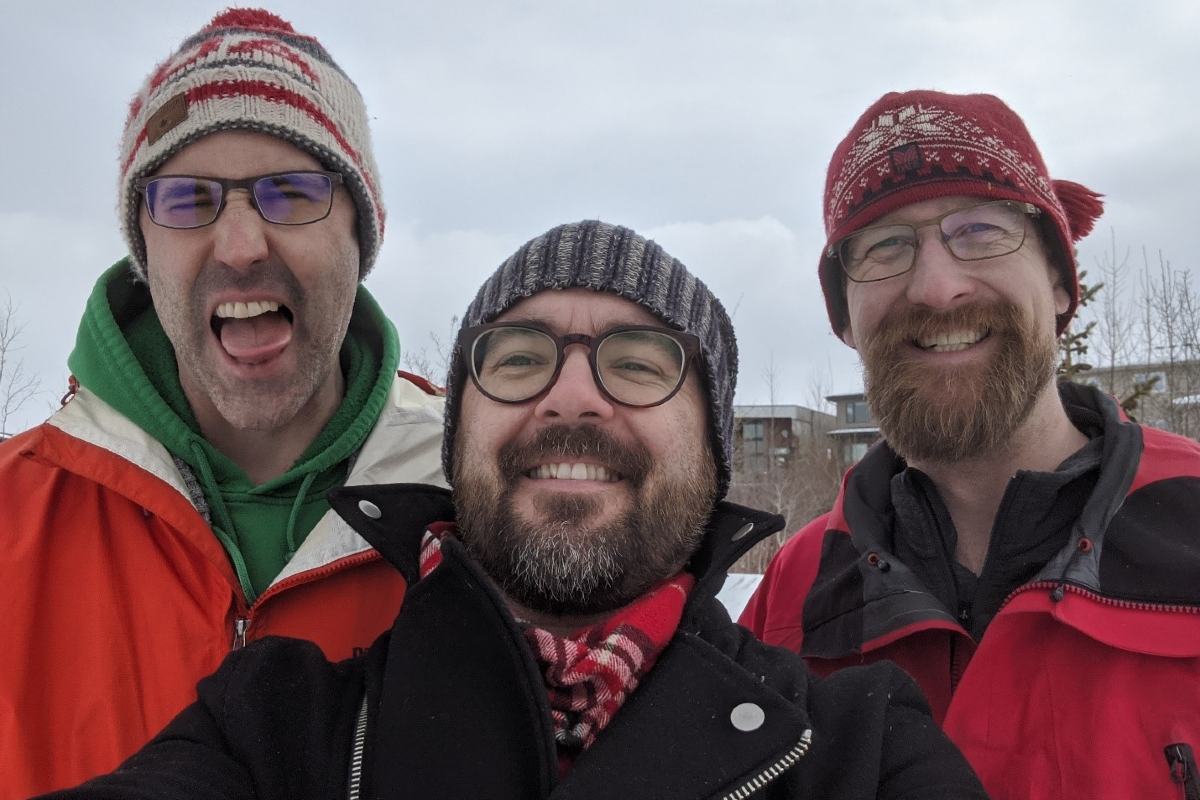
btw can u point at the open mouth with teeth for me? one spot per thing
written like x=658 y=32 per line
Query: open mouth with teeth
x=952 y=341
x=567 y=471
x=253 y=332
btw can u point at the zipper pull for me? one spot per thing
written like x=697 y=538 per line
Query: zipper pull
x=1183 y=768
x=240 y=626
x=72 y=390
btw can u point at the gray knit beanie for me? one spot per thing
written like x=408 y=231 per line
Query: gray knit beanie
x=608 y=258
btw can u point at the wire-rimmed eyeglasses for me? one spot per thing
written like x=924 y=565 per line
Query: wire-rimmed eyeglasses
x=978 y=232
x=193 y=201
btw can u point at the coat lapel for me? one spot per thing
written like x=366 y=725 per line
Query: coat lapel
x=462 y=712
x=675 y=737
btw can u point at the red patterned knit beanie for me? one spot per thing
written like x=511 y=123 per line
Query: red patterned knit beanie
x=919 y=145
x=249 y=70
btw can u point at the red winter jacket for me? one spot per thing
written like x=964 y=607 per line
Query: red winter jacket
x=1086 y=683
x=117 y=597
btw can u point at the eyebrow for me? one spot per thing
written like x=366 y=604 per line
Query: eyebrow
x=526 y=321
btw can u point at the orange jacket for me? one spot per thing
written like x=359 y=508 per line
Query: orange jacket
x=117 y=598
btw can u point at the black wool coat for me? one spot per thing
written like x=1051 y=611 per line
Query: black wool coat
x=450 y=704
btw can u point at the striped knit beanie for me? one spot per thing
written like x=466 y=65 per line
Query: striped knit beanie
x=919 y=145
x=607 y=258
x=249 y=70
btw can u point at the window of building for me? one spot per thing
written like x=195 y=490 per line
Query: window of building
x=752 y=438
x=857 y=411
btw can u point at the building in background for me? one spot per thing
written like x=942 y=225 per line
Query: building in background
x=1170 y=397
x=771 y=438
x=855 y=427
x=783 y=463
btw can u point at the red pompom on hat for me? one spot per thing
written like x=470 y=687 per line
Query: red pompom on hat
x=254 y=19
x=919 y=145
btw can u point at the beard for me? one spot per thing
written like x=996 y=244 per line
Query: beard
x=933 y=414
x=559 y=564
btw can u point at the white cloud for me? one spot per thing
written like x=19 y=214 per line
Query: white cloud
x=495 y=121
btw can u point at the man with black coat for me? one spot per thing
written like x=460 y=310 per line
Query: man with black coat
x=560 y=635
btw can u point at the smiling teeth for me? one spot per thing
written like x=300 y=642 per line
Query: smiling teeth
x=951 y=342
x=246 y=310
x=573 y=472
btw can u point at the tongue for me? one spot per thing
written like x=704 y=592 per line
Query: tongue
x=256 y=339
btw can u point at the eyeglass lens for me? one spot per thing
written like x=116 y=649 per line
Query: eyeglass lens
x=637 y=368
x=294 y=198
x=972 y=234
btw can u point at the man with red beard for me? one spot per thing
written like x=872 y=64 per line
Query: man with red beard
x=227 y=374
x=560 y=636
x=1020 y=547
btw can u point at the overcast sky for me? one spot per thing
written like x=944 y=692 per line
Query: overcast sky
x=704 y=125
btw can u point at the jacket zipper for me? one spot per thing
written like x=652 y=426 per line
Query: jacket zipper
x=772 y=772
x=1182 y=764
x=748 y=788
x=356 y=752
x=1059 y=588
x=310 y=575
x=240 y=626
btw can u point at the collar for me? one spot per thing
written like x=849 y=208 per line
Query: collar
x=456 y=640
x=866 y=504
x=394 y=517
x=865 y=596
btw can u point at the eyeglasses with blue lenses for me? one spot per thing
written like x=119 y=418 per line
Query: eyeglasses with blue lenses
x=193 y=201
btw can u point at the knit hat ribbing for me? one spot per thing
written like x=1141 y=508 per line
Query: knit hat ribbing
x=608 y=258
x=919 y=145
x=249 y=70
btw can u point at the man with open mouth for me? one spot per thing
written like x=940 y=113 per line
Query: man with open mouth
x=227 y=374
x=1026 y=551
x=560 y=636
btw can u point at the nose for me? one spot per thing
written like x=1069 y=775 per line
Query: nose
x=938 y=279
x=240 y=235
x=575 y=395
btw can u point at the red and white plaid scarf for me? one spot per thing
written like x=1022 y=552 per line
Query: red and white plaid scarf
x=590 y=674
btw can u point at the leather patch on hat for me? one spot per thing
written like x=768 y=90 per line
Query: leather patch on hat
x=168 y=116
x=906 y=158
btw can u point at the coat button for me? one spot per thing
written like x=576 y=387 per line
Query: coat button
x=747 y=717
x=370 y=509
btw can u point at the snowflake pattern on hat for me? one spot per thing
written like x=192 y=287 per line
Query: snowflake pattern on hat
x=946 y=141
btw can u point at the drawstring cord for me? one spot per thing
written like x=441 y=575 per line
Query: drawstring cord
x=305 y=485
x=223 y=526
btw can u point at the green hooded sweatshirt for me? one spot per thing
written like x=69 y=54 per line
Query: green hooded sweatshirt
x=123 y=355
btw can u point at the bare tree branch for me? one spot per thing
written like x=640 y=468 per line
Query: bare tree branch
x=435 y=366
x=17 y=385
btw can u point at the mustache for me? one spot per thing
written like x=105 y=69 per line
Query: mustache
x=567 y=443
x=913 y=322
